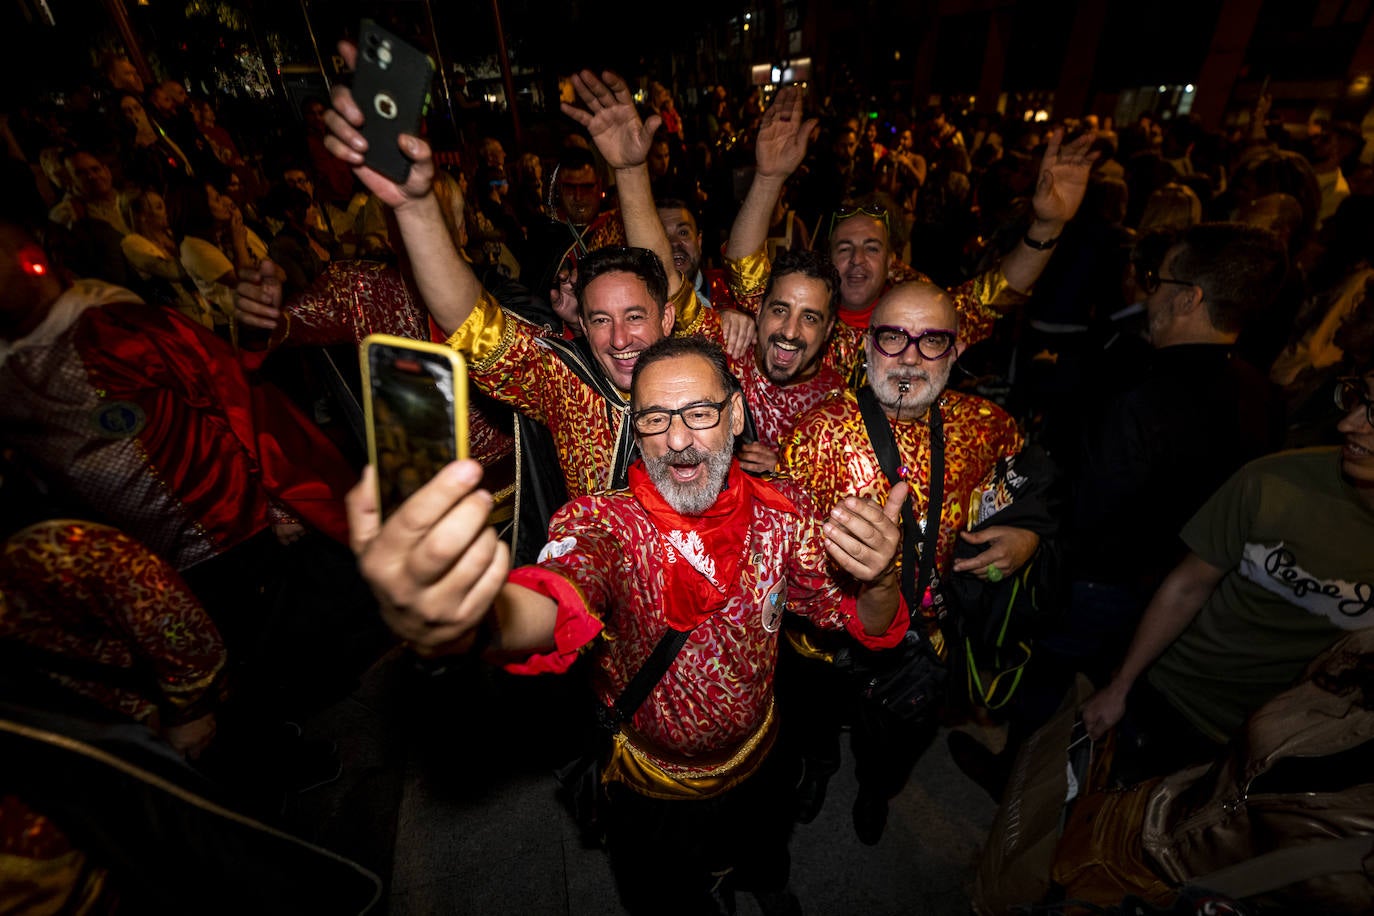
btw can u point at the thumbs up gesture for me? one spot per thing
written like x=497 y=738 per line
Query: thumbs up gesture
x=863 y=538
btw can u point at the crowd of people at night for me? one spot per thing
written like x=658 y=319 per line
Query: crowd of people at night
x=822 y=389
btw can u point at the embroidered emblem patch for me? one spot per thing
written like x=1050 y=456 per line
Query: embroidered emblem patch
x=555 y=549
x=118 y=419
x=689 y=545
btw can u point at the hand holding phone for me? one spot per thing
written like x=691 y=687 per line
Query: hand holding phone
x=350 y=142
x=391 y=87
x=415 y=400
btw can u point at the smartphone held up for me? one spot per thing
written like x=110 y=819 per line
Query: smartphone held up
x=415 y=399
x=391 y=85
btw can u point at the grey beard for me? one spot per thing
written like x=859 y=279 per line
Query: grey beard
x=691 y=499
x=909 y=405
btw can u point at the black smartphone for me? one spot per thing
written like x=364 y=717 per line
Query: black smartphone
x=391 y=85
x=416 y=403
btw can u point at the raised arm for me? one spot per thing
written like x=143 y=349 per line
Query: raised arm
x=624 y=141
x=439 y=570
x=1059 y=191
x=779 y=149
x=446 y=282
x=1173 y=607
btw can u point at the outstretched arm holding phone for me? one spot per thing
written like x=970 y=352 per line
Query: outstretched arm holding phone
x=446 y=283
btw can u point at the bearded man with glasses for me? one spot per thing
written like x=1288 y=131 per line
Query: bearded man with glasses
x=698 y=803
x=966 y=443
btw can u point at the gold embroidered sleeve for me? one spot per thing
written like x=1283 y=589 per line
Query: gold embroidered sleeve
x=687 y=307
x=981 y=301
x=747 y=277
x=486 y=335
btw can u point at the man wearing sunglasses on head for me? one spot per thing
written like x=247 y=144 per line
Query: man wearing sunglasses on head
x=958 y=452
x=861 y=240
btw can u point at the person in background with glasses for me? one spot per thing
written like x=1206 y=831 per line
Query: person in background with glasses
x=698 y=803
x=1153 y=454
x=1279 y=566
x=1148 y=457
x=860 y=240
x=911 y=347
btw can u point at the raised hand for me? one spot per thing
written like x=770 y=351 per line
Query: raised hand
x=780 y=145
x=611 y=119
x=1063 y=178
x=346 y=142
x=863 y=537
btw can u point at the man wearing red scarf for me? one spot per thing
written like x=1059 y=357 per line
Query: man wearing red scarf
x=694 y=545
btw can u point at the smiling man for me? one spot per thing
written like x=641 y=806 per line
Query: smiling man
x=784 y=375
x=1279 y=567
x=963 y=440
x=698 y=806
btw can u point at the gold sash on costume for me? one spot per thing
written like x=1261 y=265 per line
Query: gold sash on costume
x=658 y=778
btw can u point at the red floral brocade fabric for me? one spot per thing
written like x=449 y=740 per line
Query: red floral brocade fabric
x=606 y=567
x=151 y=420
x=88 y=592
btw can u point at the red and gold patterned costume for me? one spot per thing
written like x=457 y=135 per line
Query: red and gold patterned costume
x=977 y=300
x=41 y=870
x=709 y=722
x=90 y=594
x=508 y=359
x=151 y=420
x=830 y=454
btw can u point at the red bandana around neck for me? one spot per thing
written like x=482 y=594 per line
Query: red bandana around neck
x=702 y=553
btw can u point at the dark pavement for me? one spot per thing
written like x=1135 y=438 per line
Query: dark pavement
x=447 y=794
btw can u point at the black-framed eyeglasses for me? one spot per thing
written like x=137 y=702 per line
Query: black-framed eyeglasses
x=1350 y=393
x=932 y=343
x=1150 y=280
x=654 y=421
x=873 y=211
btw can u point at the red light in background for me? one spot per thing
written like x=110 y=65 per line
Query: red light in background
x=32 y=262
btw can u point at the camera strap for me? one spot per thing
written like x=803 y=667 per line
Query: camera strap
x=889 y=459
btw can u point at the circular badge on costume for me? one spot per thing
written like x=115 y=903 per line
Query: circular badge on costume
x=774 y=603
x=119 y=419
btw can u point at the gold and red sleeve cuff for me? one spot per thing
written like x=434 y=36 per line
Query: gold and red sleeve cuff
x=688 y=310
x=747 y=278
x=982 y=300
x=486 y=334
x=574 y=629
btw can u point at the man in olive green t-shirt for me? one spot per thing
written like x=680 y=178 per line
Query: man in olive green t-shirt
x=1281 y=564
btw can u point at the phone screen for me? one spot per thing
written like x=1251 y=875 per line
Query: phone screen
x=417 y=412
